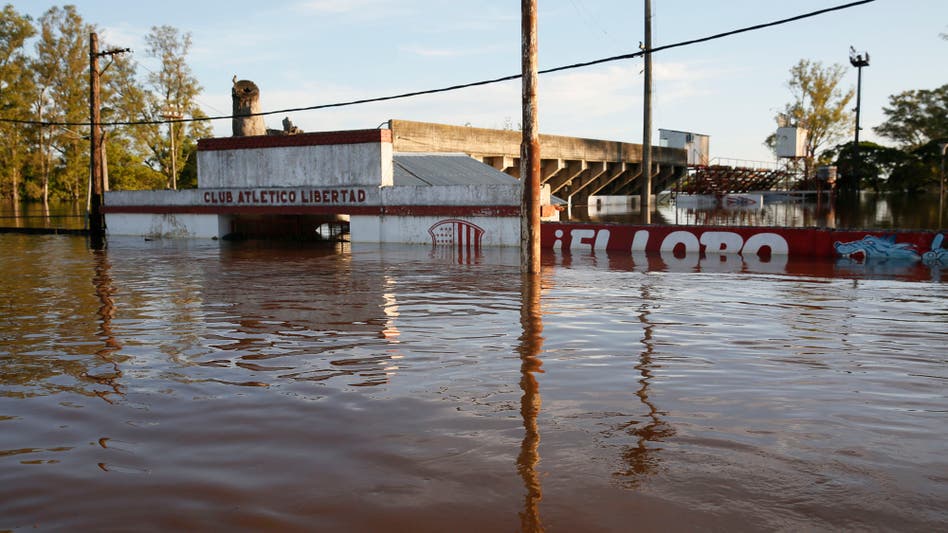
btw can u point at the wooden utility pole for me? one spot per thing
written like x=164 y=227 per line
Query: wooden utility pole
x=96 y=218
x=530 y=145
x=96 y=159
x=646 y=203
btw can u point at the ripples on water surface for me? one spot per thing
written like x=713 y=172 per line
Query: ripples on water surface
x=188 y=385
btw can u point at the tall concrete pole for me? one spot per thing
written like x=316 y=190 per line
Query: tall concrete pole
x=96 y=218
x=647 y=120
x=530 y=145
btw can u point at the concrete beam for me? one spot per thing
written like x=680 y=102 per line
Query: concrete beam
x=622 y=186
x=666 y=177
x=562 y=179
x=616 y=171
x=593 y=172
x=550 y=168
x=501 y=163
x=410 y=136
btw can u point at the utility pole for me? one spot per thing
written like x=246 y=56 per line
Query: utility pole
x=646 y=203
x=530 y=144
x=858 y=60
x=96 y=159
x=96 y=218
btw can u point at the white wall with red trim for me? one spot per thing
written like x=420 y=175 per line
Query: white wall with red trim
x=497 y=231
x=330 y=173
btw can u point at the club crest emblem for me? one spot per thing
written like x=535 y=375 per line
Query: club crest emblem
x=456 y=232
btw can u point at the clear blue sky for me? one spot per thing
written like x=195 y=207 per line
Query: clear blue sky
x=310 y=52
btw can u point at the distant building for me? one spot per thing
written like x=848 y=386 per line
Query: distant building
x=695 y=144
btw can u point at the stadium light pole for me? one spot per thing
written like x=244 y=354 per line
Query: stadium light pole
x=858 y=60
x=941 y=188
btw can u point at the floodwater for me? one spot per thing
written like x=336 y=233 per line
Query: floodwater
x=861 y=211
x=180 y=385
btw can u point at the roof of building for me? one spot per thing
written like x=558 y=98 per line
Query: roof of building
x=420 y=169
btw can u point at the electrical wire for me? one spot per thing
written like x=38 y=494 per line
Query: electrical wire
x=464 y=85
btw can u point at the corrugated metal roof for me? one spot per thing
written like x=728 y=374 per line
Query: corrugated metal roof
x=445 y=169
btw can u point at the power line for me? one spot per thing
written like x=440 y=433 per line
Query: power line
x=481 y=83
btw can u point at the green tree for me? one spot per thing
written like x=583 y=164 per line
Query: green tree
x=819 y=105
x=915 y=118
x=61 y=66
x=16 y=84
x=174 y=90
x=876 y=164
x=124 y=99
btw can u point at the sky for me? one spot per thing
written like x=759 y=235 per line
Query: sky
x=311 y=52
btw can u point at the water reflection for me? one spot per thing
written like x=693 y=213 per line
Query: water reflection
x=104 y=289
x=858 y=211
x=313 y=316
x=46 y=318
x=641 y=459
x=719 y=263
x=531 y=343
x=67 y=215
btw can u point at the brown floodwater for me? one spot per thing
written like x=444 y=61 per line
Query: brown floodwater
x=184 y=385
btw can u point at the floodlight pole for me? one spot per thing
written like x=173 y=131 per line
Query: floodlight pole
x=941 y=188
x=858 y=60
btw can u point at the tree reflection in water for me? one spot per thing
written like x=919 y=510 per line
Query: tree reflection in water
x=640 y=459
x=531 y=342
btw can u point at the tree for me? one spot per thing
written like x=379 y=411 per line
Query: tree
x=61 y=67
x=174 y=90
x=915 y=118
x=876 y=164
x=124 y=99
x=819 y=105
x=16 y=84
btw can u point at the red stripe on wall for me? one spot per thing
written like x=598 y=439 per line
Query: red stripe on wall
x=242 y=210
x=799 y=242
x=302 y=139
x=452 y=211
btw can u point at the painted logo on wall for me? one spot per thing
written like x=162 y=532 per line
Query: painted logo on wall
x=456 y=232
x=873 y=248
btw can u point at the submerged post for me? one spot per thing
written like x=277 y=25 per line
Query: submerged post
x=530 y=145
